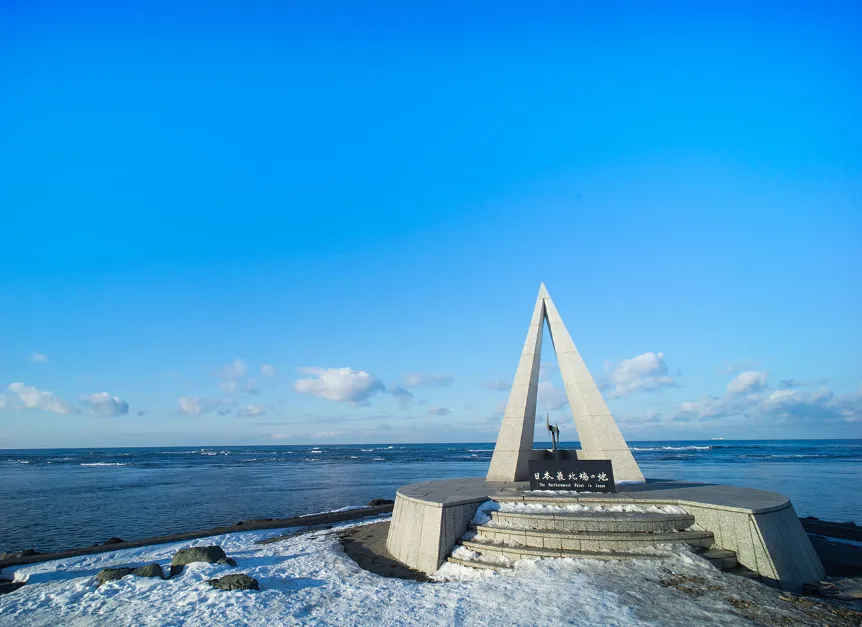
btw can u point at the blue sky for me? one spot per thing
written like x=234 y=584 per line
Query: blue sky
x=246 y=223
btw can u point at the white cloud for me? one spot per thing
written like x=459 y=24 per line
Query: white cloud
x=2 y=400
x=747 y=382
x=252 y=410
x=498 y=385
x=339 y=384
x=194 y=406
x=251 y=387
x=434 y=410
x=418 y=380
x=267 y=370
x=235 y=370
x=36 y=399
x=551 y=397
x=644 y=373
x=38 y=357
x=103 y=404
x=228 y=386
x=749 y=399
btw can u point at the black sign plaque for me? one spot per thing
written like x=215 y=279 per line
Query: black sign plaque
x=574 y=476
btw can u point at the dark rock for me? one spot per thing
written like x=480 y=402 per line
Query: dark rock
x=150 y=570
x=113 y=541
x=111 y=574
x=24 y=553
x=7 y=586
x=234 y=582
x=208 y=554
x=253 y=521
x=376 y=502
x=175 y=570
x=227 y=561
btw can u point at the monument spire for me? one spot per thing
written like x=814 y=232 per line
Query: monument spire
x=598 y=433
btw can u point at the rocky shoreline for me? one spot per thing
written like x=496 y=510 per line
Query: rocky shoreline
x=375 y=507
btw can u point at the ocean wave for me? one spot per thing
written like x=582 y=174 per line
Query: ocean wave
x=672 y=448
x=366 y=450
x=378 y=459
x=103 y=464
x=482 y=450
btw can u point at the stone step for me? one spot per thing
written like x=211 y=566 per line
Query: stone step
x=742 y=571
x=605 y=500
x=722 y=559
x=588 y=540
x=593 y=521
x=522 y=552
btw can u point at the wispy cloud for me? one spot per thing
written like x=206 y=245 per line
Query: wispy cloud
x=195 y=406
x=33 y=398
x=251 y=411
x=402 y=395
x=419 y=380
x=267 y=370
x=38 y=357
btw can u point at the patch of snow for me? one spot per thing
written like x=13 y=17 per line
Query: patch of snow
x=482 y=516
x=463 y=553
x=555 y=492
x=533 y=507
x=347 y=508
x=308 y=579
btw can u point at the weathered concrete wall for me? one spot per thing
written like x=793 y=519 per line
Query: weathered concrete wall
x=771 y=543
x=761 y=527
x=423 y=533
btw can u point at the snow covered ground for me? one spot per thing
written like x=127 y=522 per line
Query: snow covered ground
x=308 y=579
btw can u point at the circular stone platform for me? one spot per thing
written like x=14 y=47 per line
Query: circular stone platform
x=761 y=527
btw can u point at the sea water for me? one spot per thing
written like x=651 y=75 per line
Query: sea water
x=58 y=499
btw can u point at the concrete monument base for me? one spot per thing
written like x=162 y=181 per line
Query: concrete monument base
x=760 y=527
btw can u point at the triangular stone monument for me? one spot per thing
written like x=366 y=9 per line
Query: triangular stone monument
x=598 y=433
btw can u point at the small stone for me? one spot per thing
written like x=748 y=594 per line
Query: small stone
x=208 y=554
x=150 y=570
x=28 y=553
x=111 y=574
x=113 y=540
x=234 y=582
x=175 y=570
x=227 y=561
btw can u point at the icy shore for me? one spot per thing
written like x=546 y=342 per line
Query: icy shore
x=308 y=579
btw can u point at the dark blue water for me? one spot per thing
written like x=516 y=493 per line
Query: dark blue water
x=55 y=499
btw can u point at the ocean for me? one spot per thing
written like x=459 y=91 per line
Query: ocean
x=53 y=499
